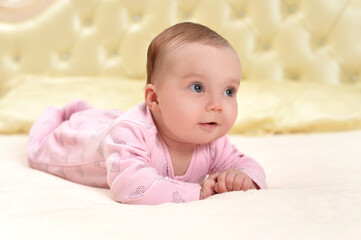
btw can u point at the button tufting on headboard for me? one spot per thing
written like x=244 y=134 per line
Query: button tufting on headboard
x=319 y=40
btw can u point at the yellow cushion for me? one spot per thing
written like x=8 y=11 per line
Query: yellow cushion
x=265 y=107
x=30 y=95
x=268 y=107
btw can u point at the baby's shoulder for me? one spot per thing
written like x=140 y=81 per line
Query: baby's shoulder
x=133 y=127
x=139 y=115
x=137 y=119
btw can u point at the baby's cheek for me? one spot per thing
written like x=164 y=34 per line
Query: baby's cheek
x=231 y=118
x=235 y=110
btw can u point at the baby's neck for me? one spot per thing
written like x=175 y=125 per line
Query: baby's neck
x=180 y=154
x=178 y=147
x=173 y=145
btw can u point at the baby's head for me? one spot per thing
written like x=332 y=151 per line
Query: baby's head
x=175 y=36
x=193 y=76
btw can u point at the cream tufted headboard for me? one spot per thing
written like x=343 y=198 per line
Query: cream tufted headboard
x=303 y=40
x=292 y=40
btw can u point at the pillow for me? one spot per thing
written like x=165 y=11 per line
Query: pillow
x=28 y=96
x=264 y=107
x=271 y=107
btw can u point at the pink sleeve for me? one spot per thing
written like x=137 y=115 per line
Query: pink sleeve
x=131 y=177
x=227 y=156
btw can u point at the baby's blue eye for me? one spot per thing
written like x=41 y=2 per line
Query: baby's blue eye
x=229 y=92
x=196 y=87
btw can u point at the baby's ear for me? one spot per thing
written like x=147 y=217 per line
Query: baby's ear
x=151 y=98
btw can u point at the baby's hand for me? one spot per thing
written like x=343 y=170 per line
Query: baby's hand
x=208 y=186
x=233 y=180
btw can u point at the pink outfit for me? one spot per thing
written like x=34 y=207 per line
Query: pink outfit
x=123 y=151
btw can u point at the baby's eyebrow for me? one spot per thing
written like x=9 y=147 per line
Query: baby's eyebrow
x=234 y=81
x=198 y=75
x=193 y=75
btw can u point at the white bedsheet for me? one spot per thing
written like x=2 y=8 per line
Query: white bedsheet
x=314 y=193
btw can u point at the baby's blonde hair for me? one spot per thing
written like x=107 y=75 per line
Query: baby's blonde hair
x=176 y=35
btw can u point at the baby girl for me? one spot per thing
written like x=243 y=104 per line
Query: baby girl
x=172 y=147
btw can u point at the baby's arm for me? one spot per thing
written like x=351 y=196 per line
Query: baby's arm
x=131 y=177
x=236 y=170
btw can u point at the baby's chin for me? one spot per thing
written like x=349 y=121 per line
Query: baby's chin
x=207 y=139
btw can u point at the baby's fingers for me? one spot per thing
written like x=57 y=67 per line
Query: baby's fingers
x=230 y=177
x=210 y=184
x=247 y=184
x=204 y=193
x=213 y=176
x=238 y=182
x=207 y=189
x=220 y=186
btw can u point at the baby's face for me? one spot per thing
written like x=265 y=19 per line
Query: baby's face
x=197 y=87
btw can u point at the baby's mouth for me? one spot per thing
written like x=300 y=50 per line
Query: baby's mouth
x=209 y=125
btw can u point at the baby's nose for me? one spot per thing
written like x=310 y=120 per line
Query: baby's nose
x=214 y=106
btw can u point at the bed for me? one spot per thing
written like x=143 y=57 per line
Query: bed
x=299 y=116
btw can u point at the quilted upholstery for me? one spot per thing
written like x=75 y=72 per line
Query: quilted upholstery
x=299 y=40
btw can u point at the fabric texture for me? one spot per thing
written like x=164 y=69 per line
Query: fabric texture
x=314 y=191
x=264 y=107
x=124 y=151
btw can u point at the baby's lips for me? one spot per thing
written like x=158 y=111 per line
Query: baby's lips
x=209 y=126
x=210 y=122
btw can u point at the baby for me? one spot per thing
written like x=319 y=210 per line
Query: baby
x=163 y=149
